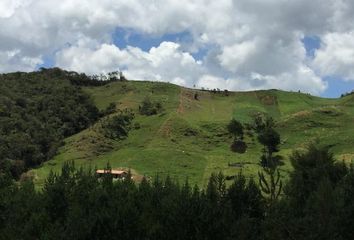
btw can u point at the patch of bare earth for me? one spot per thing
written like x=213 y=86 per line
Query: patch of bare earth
x=347 y=157
x=165 y=129
x=186 y=97
x=180 y=109
x=300 y=114
x=267 y=99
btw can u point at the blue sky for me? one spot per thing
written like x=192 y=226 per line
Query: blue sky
x=124 y=37
x=311 y=44
x=128 y=37
x=336 y=85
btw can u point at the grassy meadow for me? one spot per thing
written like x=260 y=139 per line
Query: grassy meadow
x=188 y=140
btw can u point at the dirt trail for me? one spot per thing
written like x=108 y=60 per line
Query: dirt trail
x=180 y=109
x=165 y=128
x=184 y=97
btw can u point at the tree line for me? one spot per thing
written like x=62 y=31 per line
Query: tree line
x=317 y=203
x=81 y=79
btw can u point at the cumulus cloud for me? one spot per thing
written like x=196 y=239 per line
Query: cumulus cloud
x=303 y=78
x=14 y=61
x=167 y=62
x=336 y=56
x=233 y=57
x=211 y=82
x=251 y=44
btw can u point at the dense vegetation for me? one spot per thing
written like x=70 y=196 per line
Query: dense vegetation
x=37 y=111
x=317 y=204
x=117 y=126
x=266 y=192
x=149 y=108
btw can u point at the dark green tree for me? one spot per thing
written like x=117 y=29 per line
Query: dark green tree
x=149 y=108
x=269 y=178
x=270 y=139
x=118 y=125
x=311 y=167
x=247 y=207
x=345 y=204
x=235 y=128
x=111 y=108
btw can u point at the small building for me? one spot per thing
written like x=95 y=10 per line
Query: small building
x=118 y=174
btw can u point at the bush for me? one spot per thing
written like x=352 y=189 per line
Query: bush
x=149 y=108
x=239 y=146
x=137 y=126
x=235 y=128
x=118 y=126
x=111 y=108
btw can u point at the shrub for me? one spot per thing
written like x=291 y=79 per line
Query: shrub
x=118 y=126
x=149 y=108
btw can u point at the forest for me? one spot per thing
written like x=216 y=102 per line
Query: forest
x=317 y=203
x=38 y=110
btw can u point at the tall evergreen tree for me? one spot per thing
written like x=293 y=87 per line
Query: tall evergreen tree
x=269 y=179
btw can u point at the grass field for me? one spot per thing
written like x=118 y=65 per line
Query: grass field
x=189 y=139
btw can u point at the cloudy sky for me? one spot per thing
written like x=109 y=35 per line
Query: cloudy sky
x=227 y=44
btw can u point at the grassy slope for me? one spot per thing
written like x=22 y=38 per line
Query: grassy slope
x=190 y=140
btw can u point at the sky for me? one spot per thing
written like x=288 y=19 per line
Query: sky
x=227 y=44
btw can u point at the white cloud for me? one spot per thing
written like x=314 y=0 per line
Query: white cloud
x=233 y=57
x=211 y=82
x=163 y=63
x=303 y=78
x=336 y=56
x=245 y=38
x=8 y=7
x=15 y=61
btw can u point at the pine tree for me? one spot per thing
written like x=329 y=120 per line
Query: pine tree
x=269 y=178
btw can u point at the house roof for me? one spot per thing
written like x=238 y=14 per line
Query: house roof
x=118 y=172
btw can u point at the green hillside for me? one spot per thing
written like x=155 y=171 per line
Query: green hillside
x=189 y=138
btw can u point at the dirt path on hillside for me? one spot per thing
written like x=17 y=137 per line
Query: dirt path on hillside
x=165 y=128
x=180 y=109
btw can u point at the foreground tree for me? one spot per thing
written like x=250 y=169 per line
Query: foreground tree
x=315 y=204
x=269 y=178
x=76 y=204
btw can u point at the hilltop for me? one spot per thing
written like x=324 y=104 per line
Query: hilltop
x=188 y=139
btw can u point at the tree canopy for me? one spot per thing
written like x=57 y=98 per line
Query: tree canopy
x=37 y=111
x=77 y=204
x=235 y=128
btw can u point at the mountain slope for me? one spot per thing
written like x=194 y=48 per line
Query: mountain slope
x=189 y=138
